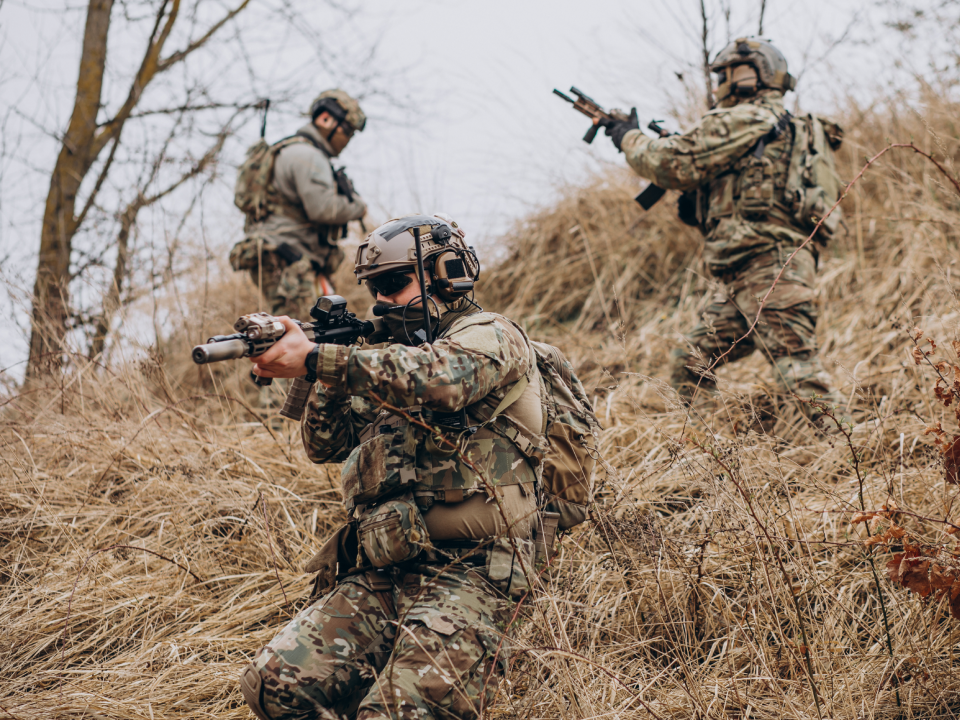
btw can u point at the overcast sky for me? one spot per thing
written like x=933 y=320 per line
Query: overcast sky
x=462 y=118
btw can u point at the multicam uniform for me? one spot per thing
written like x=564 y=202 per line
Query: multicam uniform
x=419 y=637
x=749 y=232
x=306 y=219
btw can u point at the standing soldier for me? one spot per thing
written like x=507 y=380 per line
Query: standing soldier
x=297 y=207
x=756 y=181
x=419 y=588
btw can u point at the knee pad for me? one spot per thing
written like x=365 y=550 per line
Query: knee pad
x=251 y=685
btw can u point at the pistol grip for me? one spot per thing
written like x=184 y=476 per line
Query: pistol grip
x=260 y=381
x=296 y=399
x=591 y=134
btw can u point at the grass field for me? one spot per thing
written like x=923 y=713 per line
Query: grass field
x=153 y=530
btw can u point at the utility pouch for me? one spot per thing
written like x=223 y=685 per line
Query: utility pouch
x=289 y=254
x=248 y=254
x=335 y=558
x=756 y=187
x=393 y=532
x=505 y=567
x=383 y=464
x=545 y=534
x=813 y=206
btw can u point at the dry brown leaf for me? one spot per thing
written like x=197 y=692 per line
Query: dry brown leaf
x=917 y=355
x=956 y=347
x=917 y=334
x=859 y=517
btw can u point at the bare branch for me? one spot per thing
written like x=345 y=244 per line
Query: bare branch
x=763 y=9
x=197 y=44
x=704 y=40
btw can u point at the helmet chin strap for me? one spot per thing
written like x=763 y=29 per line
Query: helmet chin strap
x=334 y=131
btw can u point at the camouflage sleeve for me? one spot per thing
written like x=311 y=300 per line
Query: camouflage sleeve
x=682 y=162
x=332 y=424
x=451 y=374
x=308 y=171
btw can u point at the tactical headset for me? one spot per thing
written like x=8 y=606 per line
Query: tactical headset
x=451 y=267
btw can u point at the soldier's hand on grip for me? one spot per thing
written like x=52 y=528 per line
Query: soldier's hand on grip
x=287 y=357
x=617 y=129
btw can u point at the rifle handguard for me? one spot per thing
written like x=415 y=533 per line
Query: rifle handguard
x=296 y=401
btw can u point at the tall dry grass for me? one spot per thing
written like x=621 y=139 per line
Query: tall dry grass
x=153 y=529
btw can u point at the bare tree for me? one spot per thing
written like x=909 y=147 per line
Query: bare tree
x=82 y=145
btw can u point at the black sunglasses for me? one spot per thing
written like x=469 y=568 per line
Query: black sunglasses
x=389 y=283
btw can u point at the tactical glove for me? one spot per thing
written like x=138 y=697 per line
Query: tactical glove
x=618 y=128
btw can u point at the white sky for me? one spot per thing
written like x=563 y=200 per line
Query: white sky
x=471 y=126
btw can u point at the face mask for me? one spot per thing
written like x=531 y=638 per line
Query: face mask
x=404 y=323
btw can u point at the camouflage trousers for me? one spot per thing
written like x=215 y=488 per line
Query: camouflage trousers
x=785 y=334
x=387 y=644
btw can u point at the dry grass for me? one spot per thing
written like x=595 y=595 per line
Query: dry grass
x=722 y=577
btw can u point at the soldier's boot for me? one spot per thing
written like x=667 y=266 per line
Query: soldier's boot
x=684 y=379
x=804 y=376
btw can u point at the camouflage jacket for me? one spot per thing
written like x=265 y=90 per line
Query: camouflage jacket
x=303 y=176
x=473 y=367
x=712 y=157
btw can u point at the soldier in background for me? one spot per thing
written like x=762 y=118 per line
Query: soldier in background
x=297 y=207
x=755 y=181
x=415 y=594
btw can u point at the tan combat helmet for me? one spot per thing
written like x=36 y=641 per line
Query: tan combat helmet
x=341 y=106
x=451 y=267
x=762 y=56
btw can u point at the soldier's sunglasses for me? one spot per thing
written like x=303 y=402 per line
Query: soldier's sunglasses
x=389 y=283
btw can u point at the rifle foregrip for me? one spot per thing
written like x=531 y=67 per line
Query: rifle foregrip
x=591 y=134
x=296 y=401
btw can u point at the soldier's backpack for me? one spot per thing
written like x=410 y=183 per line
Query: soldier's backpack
x=572 y=431
x=254 y=193
x=813 y=184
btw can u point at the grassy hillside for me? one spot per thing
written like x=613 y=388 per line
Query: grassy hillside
x=153 y=530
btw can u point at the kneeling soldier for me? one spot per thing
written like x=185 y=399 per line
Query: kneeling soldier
x=440 y=442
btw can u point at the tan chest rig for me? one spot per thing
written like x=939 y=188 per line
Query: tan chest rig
x=754 y=188
x=439 y=462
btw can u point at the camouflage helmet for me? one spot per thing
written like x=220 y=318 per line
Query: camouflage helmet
x=341 y=106
x=770 y=64
x=447 y=259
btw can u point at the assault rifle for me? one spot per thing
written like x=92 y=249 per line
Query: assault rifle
x=589 y=107
x=258 y=332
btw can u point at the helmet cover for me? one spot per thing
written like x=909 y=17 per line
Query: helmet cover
x=770 y=64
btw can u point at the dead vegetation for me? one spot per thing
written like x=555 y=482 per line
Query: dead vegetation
x=153 y=530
